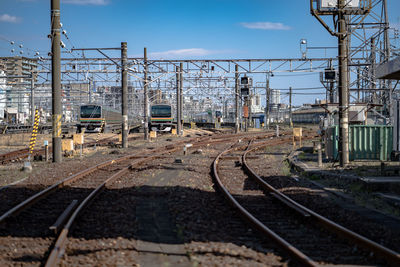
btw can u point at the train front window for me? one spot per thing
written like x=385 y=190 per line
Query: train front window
x=161 y=111
x=90 y=112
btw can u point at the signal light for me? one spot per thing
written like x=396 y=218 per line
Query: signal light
x=330 y=74
x=244 y=80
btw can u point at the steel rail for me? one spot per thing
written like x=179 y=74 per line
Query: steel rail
x=62 y=239
x=392 y=257
x=24 y=153
x=59 y=246
x=294 y=252
x=9 y=156
x=70 y=179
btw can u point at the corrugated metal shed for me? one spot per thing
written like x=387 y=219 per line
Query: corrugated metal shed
x=368 y=142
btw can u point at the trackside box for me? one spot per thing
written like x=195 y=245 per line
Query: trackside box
x=366 y=142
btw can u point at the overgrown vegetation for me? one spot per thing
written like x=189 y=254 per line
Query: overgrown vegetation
x=286 y=169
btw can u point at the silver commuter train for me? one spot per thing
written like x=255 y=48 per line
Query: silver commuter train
x=96 y=118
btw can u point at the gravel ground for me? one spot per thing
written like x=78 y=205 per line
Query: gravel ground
x=305 y=192
x=43 y=175
x=193 y=223
x=205 y=230
x=197 y=227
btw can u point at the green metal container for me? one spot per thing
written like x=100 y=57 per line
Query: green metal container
x=371 y=142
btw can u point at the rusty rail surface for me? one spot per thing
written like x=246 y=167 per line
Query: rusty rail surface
x=24 y=153
x=59 y=247
x=392 y=257
x=70 y=179
x=137 y=157
x=62 y=239
x=66 y=181
x=294 y=252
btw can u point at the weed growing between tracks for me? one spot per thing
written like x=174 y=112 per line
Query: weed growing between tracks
x=286 y=170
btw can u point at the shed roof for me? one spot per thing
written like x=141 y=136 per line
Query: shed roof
x=389 y=70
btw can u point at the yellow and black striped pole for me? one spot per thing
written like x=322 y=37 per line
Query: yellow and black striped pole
x=103 y=122
x=34 y=133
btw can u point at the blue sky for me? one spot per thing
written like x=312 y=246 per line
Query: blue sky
x=174 y=28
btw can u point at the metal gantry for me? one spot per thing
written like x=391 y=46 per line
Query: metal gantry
x=201 y=78
x=362 y=29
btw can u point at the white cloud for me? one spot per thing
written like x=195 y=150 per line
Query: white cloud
x=9 y=18
x=265 y=25
x=184 y=53
x=87 y=2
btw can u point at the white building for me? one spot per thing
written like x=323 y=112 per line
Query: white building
x=2 y=93
x=256 y=104
x=275 y=97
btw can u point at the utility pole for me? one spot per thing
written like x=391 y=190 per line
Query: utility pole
x=267 y=103
x=32 y=98
x=181 y=96
x=250 y=109
x=124 y=86
x=343 y=86
x=331 y=83
x=90 y=91
x=56 y=79
x=146 y=98
x=358 y=83
x=340 y=14
x=290 y=107
x=373 y=73
x=331 y=92
x=178 y=102
x=247 y=119
x=387 y=58
x=236 y=98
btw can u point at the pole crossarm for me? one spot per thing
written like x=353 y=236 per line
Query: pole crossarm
x=110 y=65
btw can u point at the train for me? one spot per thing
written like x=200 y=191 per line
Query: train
x=96 y=118
x=311 y=116
x=161 y=118
x=203 y=117
x=207 y=117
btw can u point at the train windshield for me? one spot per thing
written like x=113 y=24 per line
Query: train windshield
x=90 y=112
x=161 y=111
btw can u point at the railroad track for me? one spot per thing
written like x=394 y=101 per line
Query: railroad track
x=42 y=215
x=24 y=153
x=309 y=238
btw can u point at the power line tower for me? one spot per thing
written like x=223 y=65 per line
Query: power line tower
x=345 y=13
x=370 y=46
